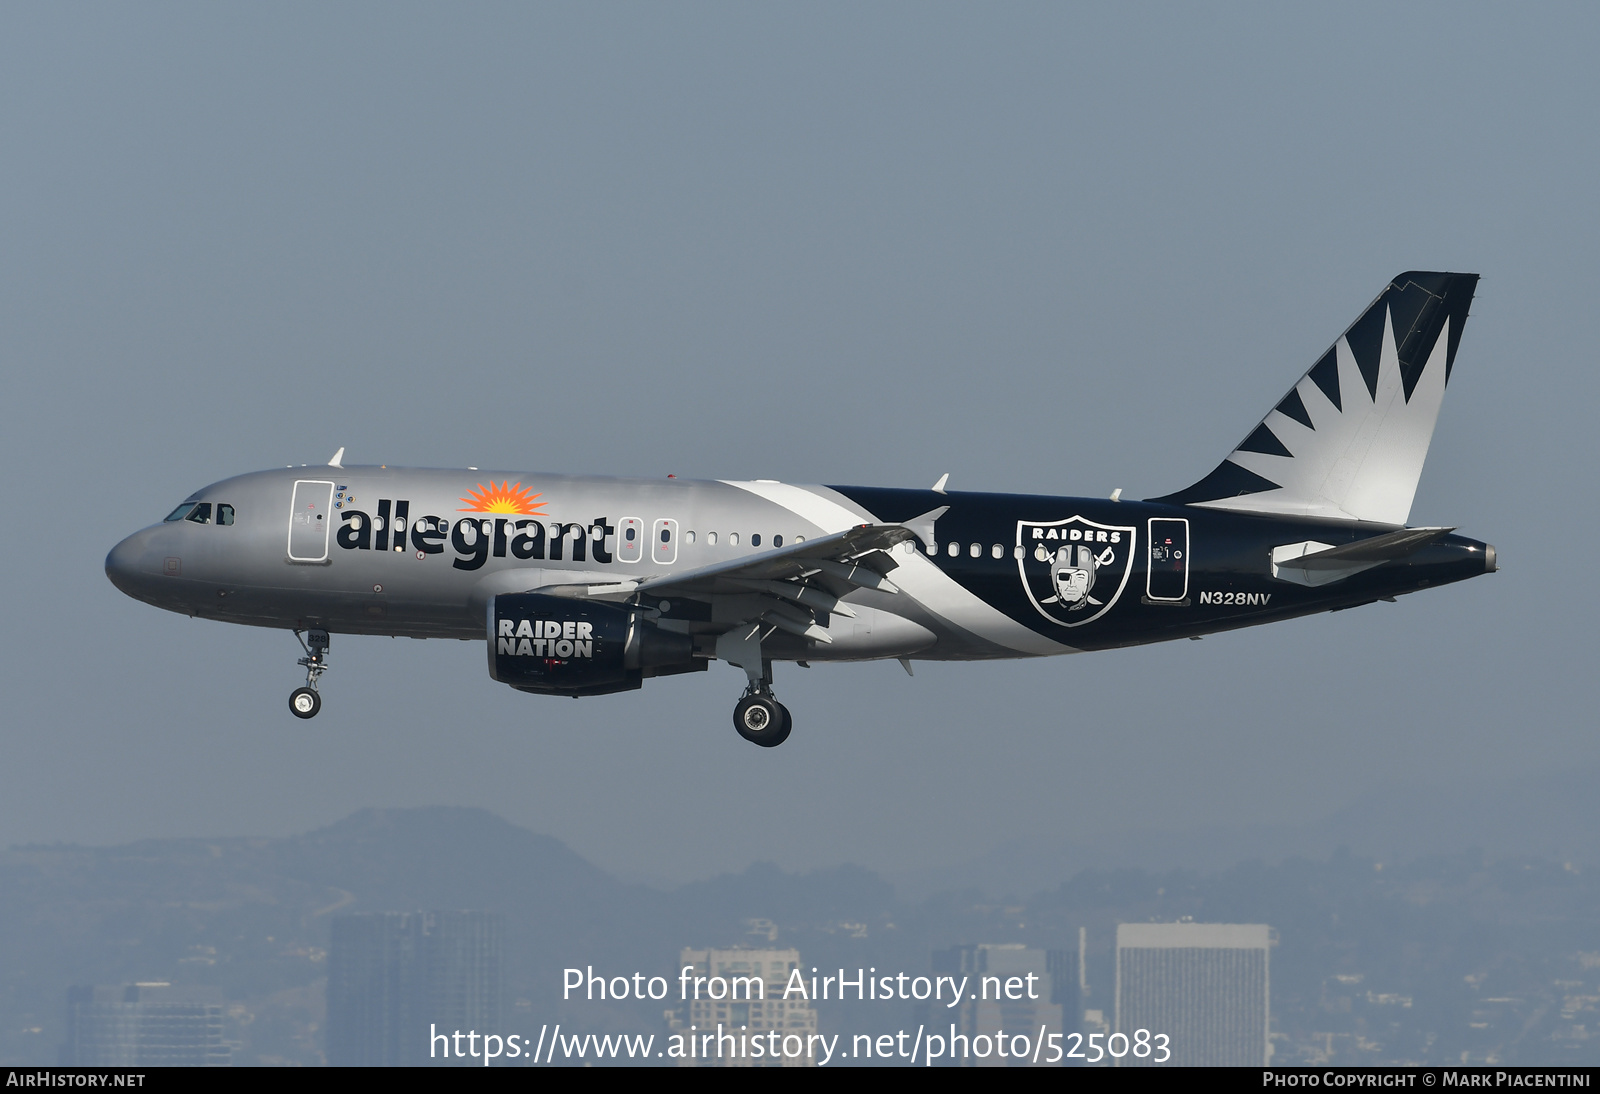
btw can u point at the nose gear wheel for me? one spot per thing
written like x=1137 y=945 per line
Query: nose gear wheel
x=305 y=702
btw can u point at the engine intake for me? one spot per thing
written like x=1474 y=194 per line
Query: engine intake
x=552 y=645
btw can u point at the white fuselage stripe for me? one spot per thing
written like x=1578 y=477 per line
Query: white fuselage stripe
x=918 y=577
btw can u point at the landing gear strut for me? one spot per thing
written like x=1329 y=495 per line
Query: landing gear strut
x=760 y=718
x=305 y=702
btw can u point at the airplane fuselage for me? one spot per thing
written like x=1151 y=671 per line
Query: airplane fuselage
x=394 y=551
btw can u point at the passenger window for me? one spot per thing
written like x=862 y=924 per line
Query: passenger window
x=688 y=537
x=976 y=550
x=777 y=541
x=755 y=540
x=997 y=551
x=711 y=539
x=201 y=514
x=954 y=550
x=733 y=539
x=224 y=514
x=180 y=512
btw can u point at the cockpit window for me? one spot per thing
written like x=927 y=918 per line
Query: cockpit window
x=201 y=513
x=180 y=512
x=225 y=514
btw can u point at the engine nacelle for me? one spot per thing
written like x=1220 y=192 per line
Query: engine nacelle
x=553 y=645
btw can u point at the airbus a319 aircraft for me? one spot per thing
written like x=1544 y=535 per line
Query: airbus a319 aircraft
x=584 y=586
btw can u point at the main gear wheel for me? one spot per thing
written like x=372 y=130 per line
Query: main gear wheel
x=761 y=719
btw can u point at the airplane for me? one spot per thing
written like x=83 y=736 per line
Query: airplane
x=585 y=586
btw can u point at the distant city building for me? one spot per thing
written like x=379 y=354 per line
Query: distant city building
x=1007 y=1002
x=395 y=979
x=750 y=983
x=144 y=1025
x=1203 y=985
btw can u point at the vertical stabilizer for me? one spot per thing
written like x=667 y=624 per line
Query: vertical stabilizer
x=1348 y=441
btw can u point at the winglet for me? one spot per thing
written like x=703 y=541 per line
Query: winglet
x=922 y=527
x=337 y=456
x=938 y=487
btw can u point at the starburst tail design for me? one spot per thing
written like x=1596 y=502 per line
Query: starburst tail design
x=506 y=497
x=1348 y=441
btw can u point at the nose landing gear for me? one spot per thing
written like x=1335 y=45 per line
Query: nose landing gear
x=305 y=702
x=761 y=719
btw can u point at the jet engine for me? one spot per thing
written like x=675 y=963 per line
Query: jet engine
x=552 y=645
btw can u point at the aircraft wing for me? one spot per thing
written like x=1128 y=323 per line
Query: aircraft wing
x=785 y=587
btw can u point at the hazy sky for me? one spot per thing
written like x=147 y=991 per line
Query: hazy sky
x=1049 y=249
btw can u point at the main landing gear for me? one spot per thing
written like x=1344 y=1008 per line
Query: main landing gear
x=760 y=718
x=305 y=702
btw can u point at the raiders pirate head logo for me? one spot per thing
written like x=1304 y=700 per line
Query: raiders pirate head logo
x=1075 y=569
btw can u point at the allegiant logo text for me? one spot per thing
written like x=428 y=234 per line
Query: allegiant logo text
x=474 y=539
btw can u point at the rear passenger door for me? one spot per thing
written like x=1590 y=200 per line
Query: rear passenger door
x=1168 y=576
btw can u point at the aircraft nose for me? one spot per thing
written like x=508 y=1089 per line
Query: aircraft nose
x=129 y=564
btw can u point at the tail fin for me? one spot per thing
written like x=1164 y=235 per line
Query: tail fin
x=1348 y=441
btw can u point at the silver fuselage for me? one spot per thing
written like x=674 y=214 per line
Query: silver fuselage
x=420 y=553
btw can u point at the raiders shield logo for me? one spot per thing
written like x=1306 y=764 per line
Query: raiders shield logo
x=1075 y=569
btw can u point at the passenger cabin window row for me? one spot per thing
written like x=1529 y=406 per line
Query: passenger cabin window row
x=199 y=512
x=972 y=550
x=630 y=534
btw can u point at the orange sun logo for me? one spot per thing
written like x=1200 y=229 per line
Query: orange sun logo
x=504 y=498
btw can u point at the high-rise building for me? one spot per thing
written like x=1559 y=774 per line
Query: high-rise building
x=1202 y=985
x=740 y=1001
x=397 y=979
x=144 y=1025
x=1012 y=990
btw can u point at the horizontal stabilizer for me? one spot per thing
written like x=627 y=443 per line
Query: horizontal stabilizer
x=1313 y=563
x=1348 y=441
x=1388 y=547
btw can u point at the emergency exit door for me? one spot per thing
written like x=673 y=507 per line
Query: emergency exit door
x=310 y=517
